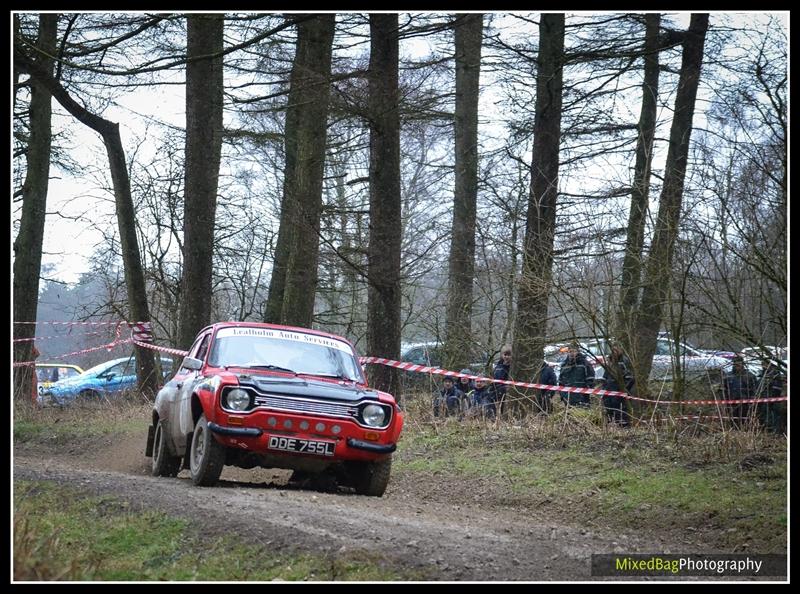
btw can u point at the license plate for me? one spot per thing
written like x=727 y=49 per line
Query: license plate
x=302 y=446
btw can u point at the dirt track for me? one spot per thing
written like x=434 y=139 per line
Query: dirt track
x=424 y=535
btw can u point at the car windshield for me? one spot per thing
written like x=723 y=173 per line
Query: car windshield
x=98 y=369
x=128 y=369
x=290 y=351
x=53 y=374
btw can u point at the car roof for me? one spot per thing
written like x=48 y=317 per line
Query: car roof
x=59 y=365
x=766 y=347
x=413 y=345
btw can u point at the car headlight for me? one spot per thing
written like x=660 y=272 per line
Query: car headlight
x=373 y=415
x=238 y=399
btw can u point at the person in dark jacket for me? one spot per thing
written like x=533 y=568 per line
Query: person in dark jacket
x=466 y=386
x=618 y=377
x=482 y=399
x=544 y=399
x=770 y=385
x=739 y=384
x=502 y=371
x=576 y=372
x=447 y=400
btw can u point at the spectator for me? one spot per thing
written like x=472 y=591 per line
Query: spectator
x=502 y=371
x=481 y=399
x=466 y=386
x=618 y=377
x=770 y=385
x=739 y=384
x=576 y=372
x=547 y=375
x=447 y=400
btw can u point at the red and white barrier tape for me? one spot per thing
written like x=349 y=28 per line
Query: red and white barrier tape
x=154 y=347
x=56 y=337
x=80 y=323
x=142 y=335
x=109 y=346
x=141 y=331
x=593 y=391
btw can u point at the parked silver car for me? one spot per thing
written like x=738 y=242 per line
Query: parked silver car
x=668 y=354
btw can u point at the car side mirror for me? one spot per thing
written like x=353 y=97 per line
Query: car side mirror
x=192 y=364
x=110 y=376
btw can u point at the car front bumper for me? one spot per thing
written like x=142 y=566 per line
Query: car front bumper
x=252 y=432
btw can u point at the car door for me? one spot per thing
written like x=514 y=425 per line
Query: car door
x=119 y=377
x=187 y=379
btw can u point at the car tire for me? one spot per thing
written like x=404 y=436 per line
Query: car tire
x=371 y=478
x=206 y=455
x=164 y=463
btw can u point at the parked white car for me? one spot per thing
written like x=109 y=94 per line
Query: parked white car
x=779 y=356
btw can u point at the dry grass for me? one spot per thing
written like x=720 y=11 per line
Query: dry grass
x=35 y=552
x=725 y=487
x=80 y=420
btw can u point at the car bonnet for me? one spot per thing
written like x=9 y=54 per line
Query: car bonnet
x=305 y=386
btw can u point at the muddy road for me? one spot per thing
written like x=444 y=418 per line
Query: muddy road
x=416 y=528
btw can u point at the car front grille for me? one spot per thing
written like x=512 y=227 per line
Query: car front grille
x=332 y=409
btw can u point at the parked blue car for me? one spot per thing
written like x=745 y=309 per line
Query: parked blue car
x=99 y=382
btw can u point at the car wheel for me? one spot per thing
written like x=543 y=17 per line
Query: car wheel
x=371 y=478
x=90 y=396
x=207 y=455
x=164 y=463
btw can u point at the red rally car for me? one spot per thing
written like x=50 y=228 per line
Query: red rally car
x=251 y=394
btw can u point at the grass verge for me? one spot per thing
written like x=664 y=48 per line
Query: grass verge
x=61 y=534
x=63 y=425
x=723 y=489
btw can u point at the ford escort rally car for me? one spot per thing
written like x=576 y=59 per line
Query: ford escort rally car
x=250 y=394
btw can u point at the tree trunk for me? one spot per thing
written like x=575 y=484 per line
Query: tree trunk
x=383 y=309
x=658 y=270
x=28 y=244
x=468 y=37
x=530 y=330
x=147 y=374
x=632 y=263
x=311 y=72
x=204 y=100
x=273 y=309
x=15 y=65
